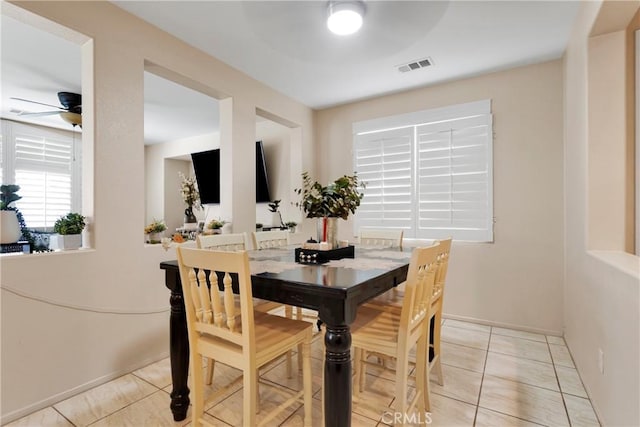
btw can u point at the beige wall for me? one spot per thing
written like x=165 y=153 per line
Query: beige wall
x=516 y=281
x=602 y=299
x=50 y=352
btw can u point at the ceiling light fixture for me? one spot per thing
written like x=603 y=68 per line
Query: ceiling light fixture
x=345 y=17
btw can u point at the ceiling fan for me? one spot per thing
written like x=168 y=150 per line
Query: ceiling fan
x=70 y=112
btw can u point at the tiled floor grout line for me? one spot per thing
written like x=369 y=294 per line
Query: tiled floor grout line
x=555 y=371
x=128 y=404
x=62 y=415
x=484 y=370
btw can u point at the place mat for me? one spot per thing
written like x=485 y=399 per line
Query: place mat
x=361 y=263
x=269 y=253
x=271 y=266
x=388 y=254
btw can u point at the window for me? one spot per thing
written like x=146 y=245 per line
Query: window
x=428 y=173
x=45 y=163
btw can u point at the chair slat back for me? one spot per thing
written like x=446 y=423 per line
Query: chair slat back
x=381 y=238
x=270 y=239
x=443 y=265
x=209 y=298
x=222 y=242
x=418 y=289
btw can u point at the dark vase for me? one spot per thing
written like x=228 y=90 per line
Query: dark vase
x=189 y=217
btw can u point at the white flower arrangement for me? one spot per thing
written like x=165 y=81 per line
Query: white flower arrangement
x=189 y=191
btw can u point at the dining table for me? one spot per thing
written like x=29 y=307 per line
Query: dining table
x=334 y=289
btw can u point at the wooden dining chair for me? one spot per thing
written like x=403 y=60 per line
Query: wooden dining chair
x=222 y=242
x=437 y=299
x=237 y=242
x=270 y=239
x=383 y=238
x=393 y=333
x=243 y=339
x=278 y=239
x=393 y=300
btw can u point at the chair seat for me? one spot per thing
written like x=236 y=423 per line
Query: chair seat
x=277 y=335
x=264 y=305
x=375 y=327
x=390 y=299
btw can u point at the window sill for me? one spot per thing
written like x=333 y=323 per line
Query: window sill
x=625 y=262
x=40 y=254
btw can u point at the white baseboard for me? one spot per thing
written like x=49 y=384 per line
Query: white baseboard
x=52 y=400
x=503 y=325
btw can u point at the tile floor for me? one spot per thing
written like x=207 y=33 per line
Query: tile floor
x=493 y=377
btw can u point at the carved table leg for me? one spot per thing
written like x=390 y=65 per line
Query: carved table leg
x=337 y=376
x=179 y=355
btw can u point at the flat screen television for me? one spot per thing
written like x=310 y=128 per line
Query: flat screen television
x=206 y=166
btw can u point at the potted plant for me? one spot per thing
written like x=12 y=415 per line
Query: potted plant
x=215 y=225
x=68 y=231
x=276 y=218
x=155 y=231
x=10 y=230
x=291 y=225
x=336 y=200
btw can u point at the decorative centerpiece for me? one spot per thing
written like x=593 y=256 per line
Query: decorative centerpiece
x=336 y=200
x=69 y=232
x=190 y=195
x=155 y=231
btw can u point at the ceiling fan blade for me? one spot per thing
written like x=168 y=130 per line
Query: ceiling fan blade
x=44 y=113
x=40 y=103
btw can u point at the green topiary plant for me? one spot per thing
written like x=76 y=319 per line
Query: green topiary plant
x=72 y=223
x=338 y=199
x=8 y=195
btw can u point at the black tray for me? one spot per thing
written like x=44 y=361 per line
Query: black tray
x=315 y=256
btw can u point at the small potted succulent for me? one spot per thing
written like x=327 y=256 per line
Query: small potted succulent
x=68 y=231
x=155 y=231
x=215 y=226
x=291 y=225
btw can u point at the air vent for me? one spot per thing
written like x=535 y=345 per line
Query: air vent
x=415 y=65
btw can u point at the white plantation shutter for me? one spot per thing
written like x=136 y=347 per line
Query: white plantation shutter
x=43 y=166
x=383 y=160
x=449 y=175
x=46 y=196
x=454 y=179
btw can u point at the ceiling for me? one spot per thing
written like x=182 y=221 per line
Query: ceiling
x=285 y=44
